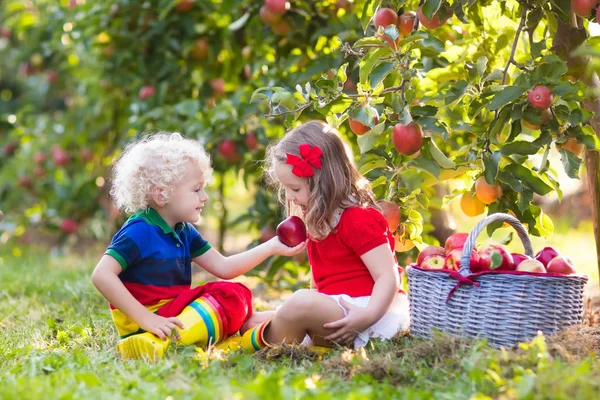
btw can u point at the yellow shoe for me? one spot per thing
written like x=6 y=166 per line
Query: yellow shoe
x=143 y=346
x=254 y=339
x=229 y=344
x=319 y=349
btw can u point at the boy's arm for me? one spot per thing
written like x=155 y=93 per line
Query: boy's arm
x=106 y=279
x=229 y=267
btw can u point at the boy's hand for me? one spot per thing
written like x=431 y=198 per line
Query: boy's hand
x=357 y=320
x=283 y=250
x=161 y=326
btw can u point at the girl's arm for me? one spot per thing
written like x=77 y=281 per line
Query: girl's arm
x=228 y=267
x=383 y=268
x=106 y=279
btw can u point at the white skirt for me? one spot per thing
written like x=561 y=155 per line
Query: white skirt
x=394 y=321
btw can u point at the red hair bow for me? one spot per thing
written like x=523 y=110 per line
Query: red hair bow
x=310 y=157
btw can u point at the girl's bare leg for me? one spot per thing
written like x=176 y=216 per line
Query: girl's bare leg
x=256 y=318
x=304 y=313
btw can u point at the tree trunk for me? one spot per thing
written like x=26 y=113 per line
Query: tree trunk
x=568 y=38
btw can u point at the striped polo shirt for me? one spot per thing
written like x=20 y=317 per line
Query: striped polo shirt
x=156 y=261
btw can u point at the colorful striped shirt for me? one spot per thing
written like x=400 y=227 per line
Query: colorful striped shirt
x=156 y=261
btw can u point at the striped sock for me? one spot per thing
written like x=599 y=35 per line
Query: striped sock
x=254 y=339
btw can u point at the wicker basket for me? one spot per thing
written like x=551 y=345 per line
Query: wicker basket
x=504 y=307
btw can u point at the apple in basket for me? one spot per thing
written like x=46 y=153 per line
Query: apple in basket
x=433 y=261
x=429 y=251
x=561 y=265
x=496 y=257
x=546 y=254
x=531 y=265
x=291 y=231
x=519 y=258
x=456 y=241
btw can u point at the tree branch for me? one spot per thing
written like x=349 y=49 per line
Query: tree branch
x=514 y=45
x=302 y=107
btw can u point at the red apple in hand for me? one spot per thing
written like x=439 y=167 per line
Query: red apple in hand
x=546 y=255
x=291 y=231
x=429 y=251
x=531 y=265
x=561 y=265
x=433 y=261
x=495 y=257
x=456 y=241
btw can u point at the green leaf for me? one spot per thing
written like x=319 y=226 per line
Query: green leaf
x=481 y=65
x=430 y=7
x=337 y=106
x=371 y=165
x=529 y=178
x=499 y=123
x=571 y=163
x=382 y=180
x=495 y=260
x=379 y=73
x=456 y=91
x=413 y=37
x=367 y=41
x=368 y=12
x=188 y=108
x=264 y=92
x=370 y=61
x=520 y=147
x=433 y=124
x=505 y=96
x=426 y=165
x=367 y=141
x=490 y=164
x=588 y=138
x=437 y=154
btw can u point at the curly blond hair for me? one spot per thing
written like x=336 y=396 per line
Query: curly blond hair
x=156 y=160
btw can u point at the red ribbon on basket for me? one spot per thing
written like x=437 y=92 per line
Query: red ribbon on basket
x=462 y=280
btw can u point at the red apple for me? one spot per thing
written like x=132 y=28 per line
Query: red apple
x=385 y=17
x=10 y=148
x=456 y=241
x=184 y=6
x=407 y=139
x=540 y=97
x=251 y=141
x=218 y=86
x=406 y=23
x=200 y=49
x=5 y=33
x=519 y=258
x=25 y=181
x=429 y=251
x=495 y=257
x=583 y=7
x=291 y=231
x=39 y=157
x=267 y=16
x=68 y=226
x=267 y=233
x=86 y=154
x=281 y=27
x=546 y=255
x=146 y=92
x=60 y=157
x=391 y=213
x=39 y=171
x=531 y=265
x=227 y=148
x=453 y=259
x=434 y=261
x=277 y=6
x=52 y=76
x=561 y=265
x=435 y=21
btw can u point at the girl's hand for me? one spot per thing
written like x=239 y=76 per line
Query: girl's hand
x=283 y=250
x=161 y=326
x=350 y=326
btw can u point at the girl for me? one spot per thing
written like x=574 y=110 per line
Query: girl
x=350 y=248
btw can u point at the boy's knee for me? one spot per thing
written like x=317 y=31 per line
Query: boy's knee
x=236 y=301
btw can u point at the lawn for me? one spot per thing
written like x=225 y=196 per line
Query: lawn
x=57 y=341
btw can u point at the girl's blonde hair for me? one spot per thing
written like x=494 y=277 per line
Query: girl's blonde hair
x=157 y=160
x=337 y=185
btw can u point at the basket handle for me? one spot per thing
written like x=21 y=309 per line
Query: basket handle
x=465 y=259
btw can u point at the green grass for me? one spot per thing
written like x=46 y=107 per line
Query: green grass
x=57 y=341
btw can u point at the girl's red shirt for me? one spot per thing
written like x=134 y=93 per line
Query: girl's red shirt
x=335 y=261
